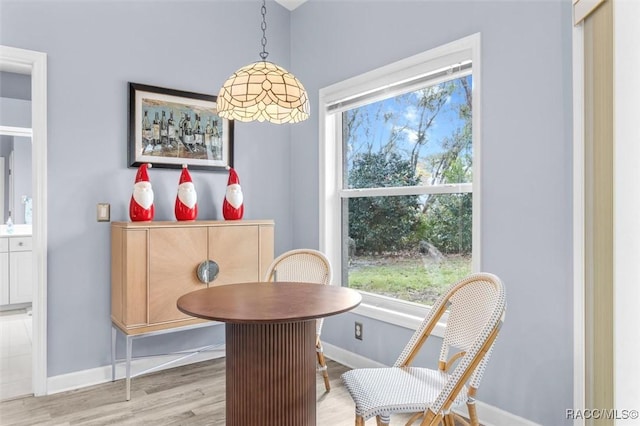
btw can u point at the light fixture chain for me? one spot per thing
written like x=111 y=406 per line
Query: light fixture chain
x=264 y=52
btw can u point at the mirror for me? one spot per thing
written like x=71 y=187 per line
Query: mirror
x=15 y=148
x=16 y=191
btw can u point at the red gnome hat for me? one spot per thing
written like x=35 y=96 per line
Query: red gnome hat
x=185 y=176
x=187 y=199
x=142 y=175
x=233 y=206
x=141 y=207
x=233 y=178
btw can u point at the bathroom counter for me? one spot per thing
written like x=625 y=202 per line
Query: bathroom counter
x=19 y=230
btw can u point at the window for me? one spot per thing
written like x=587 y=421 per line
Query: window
x=399 y=178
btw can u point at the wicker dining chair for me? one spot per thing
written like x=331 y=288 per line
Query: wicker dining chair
x=476 y=307
x=304 y=265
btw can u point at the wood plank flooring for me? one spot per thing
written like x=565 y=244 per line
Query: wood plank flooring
x=188 y=395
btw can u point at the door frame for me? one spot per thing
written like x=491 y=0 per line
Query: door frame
x=579 y=308
x=35 y=64
x=626 y=201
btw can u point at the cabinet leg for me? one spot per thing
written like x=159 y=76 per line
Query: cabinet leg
x=113 y=353
x=128 y=367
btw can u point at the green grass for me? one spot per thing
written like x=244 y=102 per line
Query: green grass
x=412 y=278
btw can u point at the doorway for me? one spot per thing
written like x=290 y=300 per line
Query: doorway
x=35 y=64
x=16 y=257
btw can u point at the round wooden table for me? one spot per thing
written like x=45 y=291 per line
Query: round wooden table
x=270 y=346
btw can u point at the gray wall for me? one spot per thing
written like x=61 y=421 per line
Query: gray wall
x=95 y=48
x=526 y=170
x=15 y=112
x=16 y=86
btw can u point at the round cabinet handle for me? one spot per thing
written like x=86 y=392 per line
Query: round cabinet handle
x=20 y=244
x=207 y=271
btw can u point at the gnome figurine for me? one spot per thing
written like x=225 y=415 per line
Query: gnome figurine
x=233 y=208
x=187 y=199
x=141 y=205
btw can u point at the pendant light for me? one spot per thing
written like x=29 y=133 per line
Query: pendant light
x=263 y=91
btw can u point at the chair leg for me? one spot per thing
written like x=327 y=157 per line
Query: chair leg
x=449 y=420
x=414 y=418
x=473 y=414
x=431 y=419
x=459 y=420
x=323 y=365
x=359 y=421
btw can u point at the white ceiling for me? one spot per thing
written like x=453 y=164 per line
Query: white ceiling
x=290 y=4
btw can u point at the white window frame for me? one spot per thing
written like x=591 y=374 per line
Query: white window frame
x=403 y=72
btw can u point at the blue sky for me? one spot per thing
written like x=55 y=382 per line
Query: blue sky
x=402 y=115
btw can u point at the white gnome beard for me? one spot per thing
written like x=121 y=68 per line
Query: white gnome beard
x=143 y=194
x=187 y=194
x=234 y=195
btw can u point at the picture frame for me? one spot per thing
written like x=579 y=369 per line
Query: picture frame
x=170 y=128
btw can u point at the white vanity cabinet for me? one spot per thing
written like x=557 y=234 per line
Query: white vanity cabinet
x=4 y=271
x=16 y=270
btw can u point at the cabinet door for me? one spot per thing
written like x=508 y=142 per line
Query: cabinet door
x=20 y=277
x=236 y=250
x=174 y=256
x=129 y=296
x=4 y=278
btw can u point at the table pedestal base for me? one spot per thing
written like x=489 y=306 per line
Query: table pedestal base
x=271 y=378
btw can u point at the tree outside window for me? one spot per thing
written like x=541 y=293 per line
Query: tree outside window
x=410 y=235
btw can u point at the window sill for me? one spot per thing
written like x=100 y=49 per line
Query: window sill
x=397 y=317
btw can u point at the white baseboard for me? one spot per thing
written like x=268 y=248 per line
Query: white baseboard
x=494 y=416
x=95 y=376
x=488 y=414
x=349 y=359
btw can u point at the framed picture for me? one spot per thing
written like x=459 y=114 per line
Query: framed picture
x=169 y=128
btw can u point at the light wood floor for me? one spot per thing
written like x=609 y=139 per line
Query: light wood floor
x=188 y=395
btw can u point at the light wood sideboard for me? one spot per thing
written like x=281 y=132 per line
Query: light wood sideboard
x=154 y=263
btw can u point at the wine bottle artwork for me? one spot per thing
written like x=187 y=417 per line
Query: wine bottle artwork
x=147 y=133
x=156 y=132
x=216 y=142
x=170 y=128
x=208 y=131
x=180 y=129
x=164 y=130
x=188 y=132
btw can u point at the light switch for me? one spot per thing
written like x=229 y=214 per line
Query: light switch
x=104 y=212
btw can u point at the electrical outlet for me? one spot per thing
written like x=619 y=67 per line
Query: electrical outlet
x=358 y=330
